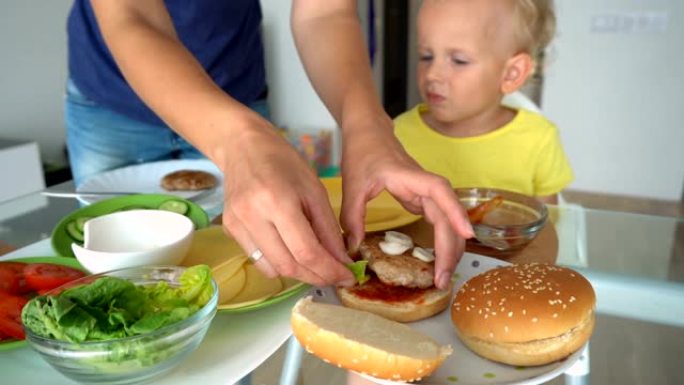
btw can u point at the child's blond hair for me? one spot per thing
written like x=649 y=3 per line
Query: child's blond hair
x=535 y=25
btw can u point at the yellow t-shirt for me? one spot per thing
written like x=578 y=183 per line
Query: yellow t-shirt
x=525 y=155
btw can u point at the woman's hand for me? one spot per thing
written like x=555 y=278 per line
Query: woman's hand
x=331 y=45
x=275 y=203
x=374 y=160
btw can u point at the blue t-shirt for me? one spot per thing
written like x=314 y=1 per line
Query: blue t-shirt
x=224 y=36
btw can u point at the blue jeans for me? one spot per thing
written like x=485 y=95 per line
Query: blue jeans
x=99 y=139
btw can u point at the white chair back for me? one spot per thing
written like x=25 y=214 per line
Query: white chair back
x=570 y=221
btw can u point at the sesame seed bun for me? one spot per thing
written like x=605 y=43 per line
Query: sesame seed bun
x=530 y=314
x=364 y=342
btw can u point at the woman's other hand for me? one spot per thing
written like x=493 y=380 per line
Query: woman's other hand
x=275 y=203
x=374 y=160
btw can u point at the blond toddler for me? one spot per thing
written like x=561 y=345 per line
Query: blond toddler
x=471 y=54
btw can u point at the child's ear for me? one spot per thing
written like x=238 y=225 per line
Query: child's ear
x=517 y=70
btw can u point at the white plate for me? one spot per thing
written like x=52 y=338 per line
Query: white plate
x=464 y=367
x=145 y=178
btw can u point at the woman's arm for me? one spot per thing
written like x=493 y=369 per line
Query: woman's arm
x=329 y=40
x=276 y=201
x=143 y=41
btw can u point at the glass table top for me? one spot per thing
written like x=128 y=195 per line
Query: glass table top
x=634 y=261
x=633 y=245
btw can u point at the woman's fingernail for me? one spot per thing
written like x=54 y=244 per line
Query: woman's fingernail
x=345 y=258
x=469 y=228
x=443 y=280
x=352 y=244
x=348 y=282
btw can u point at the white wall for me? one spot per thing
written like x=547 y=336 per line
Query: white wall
x=294 y=103
x=33 y=73
x=614 y=85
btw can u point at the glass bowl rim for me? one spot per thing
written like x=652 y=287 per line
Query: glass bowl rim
x=205 y=311
x=533 y=226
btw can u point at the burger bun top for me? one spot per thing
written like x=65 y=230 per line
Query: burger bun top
x=522 y=303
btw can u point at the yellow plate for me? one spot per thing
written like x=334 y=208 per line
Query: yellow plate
x=382 y=212
x=230 y=287
x=242 y=287
x=257 y=288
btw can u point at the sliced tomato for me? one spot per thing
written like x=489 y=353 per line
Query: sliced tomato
x=11 y=328
x=12 y=278
x=11 y=305
x=47 y=276
x=10 y=315
x=69 y=285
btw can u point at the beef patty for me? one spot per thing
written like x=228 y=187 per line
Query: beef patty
x=398 y=270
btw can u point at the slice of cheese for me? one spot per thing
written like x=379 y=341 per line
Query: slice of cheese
x=257 y=288
x=232 y=286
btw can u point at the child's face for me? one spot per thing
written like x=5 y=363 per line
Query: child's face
x=463 y=48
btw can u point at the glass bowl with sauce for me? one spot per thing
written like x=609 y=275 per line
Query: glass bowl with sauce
x=503 y=220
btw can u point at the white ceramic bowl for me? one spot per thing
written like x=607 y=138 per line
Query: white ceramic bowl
x=134 y=238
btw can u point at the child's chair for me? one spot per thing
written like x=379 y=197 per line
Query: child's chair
x=569 y=219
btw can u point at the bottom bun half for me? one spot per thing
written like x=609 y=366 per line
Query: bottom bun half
x=535 y=352
x=421 y=304
x=365 y=343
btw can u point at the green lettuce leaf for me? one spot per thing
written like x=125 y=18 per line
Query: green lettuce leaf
x=111 y=307
x=358 y=268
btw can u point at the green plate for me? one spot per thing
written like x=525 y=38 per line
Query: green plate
x=71 y=262
x=292 y=290
x=61 y=240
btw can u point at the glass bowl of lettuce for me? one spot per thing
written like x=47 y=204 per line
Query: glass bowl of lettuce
x=122 y=326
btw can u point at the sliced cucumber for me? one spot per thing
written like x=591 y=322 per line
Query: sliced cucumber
x=174 y=206
x=72 y=230
x=133 y=207
x=80 y=223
